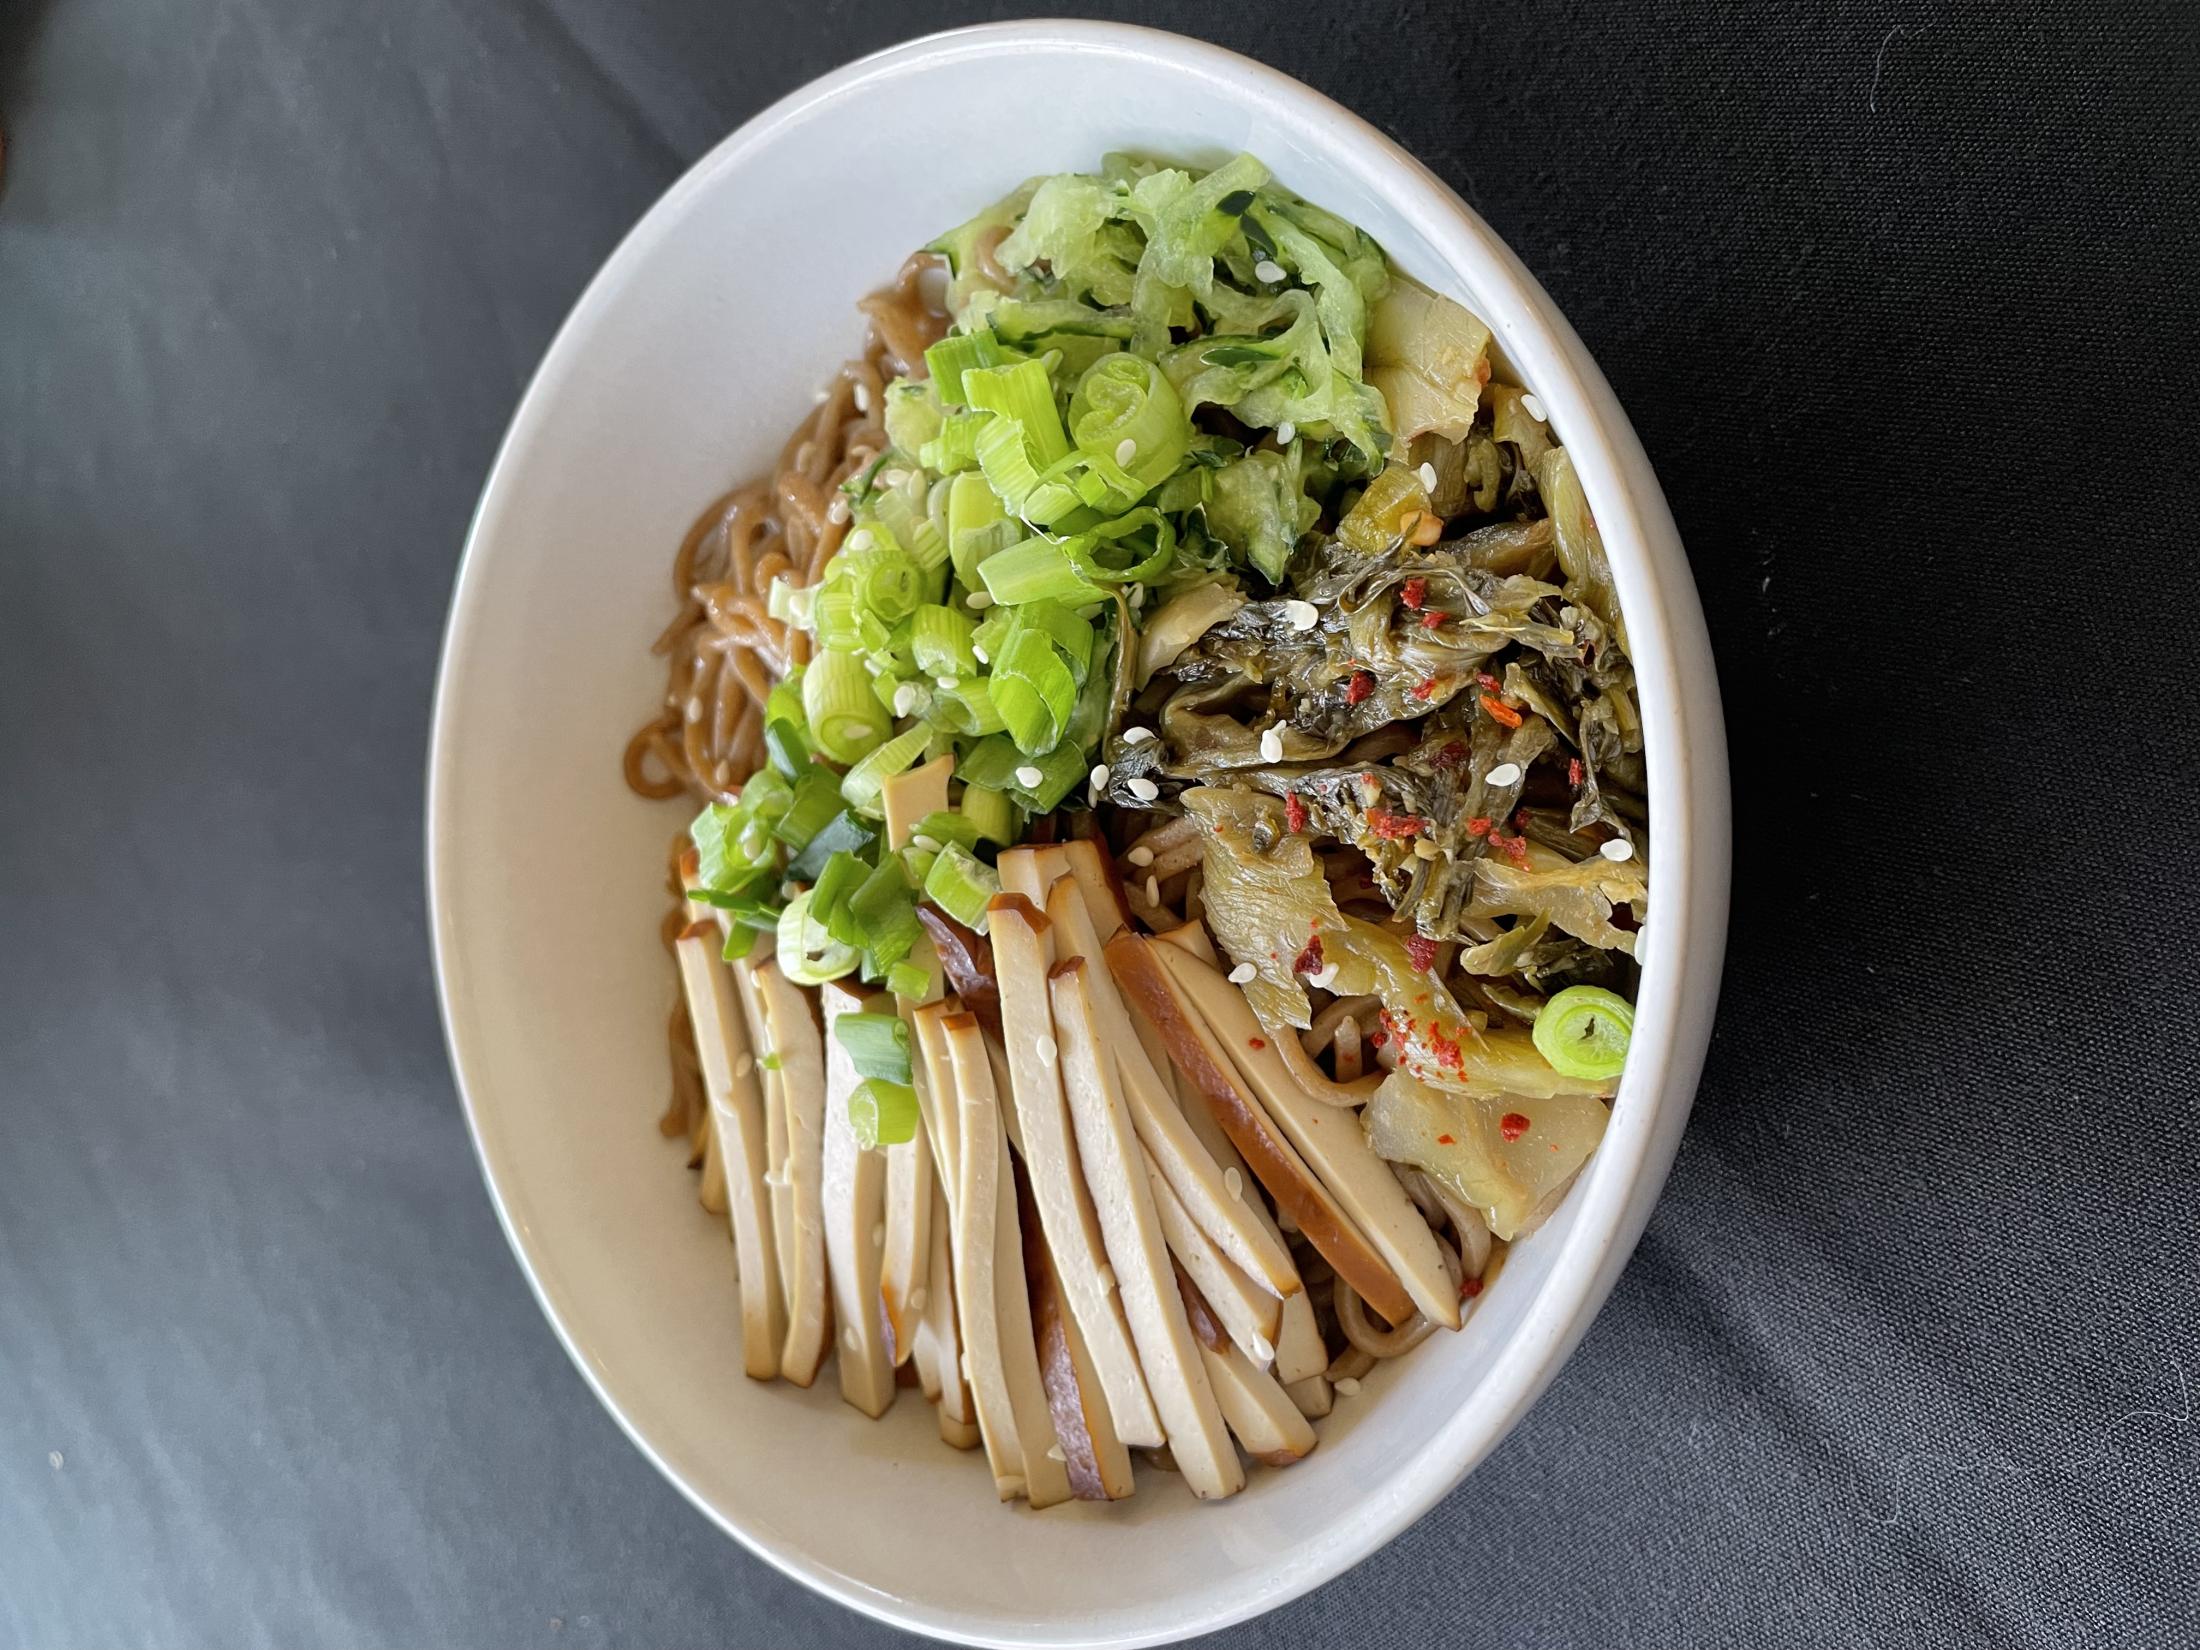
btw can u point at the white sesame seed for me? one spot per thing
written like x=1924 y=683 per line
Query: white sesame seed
x=863 y=398
x=1619 y=848
x=694 y=709
x=837 y=511
x=983 y=657
x=978 y=600
x=1099 y=775
x=1138 y=596
x=892 y=478
x=1324 y=978
x=849 y=1338
x=1505 y=773
x=1346 y=1387
x=1302 y=615
x=1144 y=789
x=860 y=539
x=1107 y=1277
x=1271 y=745
x=1047 y=1052
x=1243 y=972
x=1054 y=1453
x=1153 y=889
x=1029 y=777
x=1140 y=857
x=1125 y=450
x=925 y=844
x=1423 y=848
x=878 y=1234
x=1233 y=1182
x=1532 y=407
x=1284 y=432
x=1264 y=1350
x=743 y=1066
x=1137 y=736
x=1268 y=270
x=1428 y=478
x=948 y=684
x=905 y=699
x=917 y=1298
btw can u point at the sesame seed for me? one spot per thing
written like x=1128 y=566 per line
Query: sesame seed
x=1532 y=407
x=948 y=684
x=1243 y=972
x=1099 y=775
x=1347 y=1387
x=1144 y=789
x=1264 y=1350
x=1029 y=777
x=1323 y=980
x=1303 y=615
x=917 y=1298
x=1428 y=478
x=837 y=511
x=905 y=699
x=1284 y=432
x=860 y=539
x=1271 y=745
x=1423 y=848
x=1233 y=1182
x=1125 y=450
x=1140 y=857
x=1618 y=848
x=1046 y=1050
x=1107 y=1277
x=1268 y=270
x=1054 y=1453
x=743 y=1066
x=863 y=398
x=694 y=709
x=1138 y=596
x=1137 y=736
x=978 y=601
x=1153 y=889
x=849 y=1339
x=983 y=657
x=931 y=845
x=893 y=478
x=1505 y=773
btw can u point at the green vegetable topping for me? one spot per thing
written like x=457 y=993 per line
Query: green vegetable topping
x=1583 y=1032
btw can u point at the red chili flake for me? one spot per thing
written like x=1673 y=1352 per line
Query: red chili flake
x=1294 y=813
x=1451 y=755
x=1512 y=1125
x=1309 y=961
x=1469 y=1288
x=1520 y=822
x=1500 y=711
x=1422 y=950
x=1427 y=690
x=1446 y=1140
x=1414 y=592
x=1478 y=826
x=1487 y=680
x=1482 y=369
x=1573 y=773
x=1376 y=1039
x=1361 y=685
x=1512 y=847
x=1434 y=619
x=1256 y=1042
x=1447 y=1049
x=1390 y=827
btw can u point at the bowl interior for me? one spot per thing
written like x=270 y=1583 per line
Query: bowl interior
x=679 y=373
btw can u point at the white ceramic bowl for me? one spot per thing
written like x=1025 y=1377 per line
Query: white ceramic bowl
x=680 y=369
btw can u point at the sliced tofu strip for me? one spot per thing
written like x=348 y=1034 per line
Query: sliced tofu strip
x=939 y=1329
x=1251 y=1316
x=908 y=1254
x=1099 y=1466
x=1193 y=940
x=1115 y=1170
x=774 y=1087
x=1258 y=1409
x=1093 y=868
x=792 y=1036
x=936 y=1098
x=989 y=1286
x=958 y=1434
x=1049 y=1147
x=1331 y=1141
x=909 y=797
x=1238 y=1226
x=854 y=1200
x=710 y=1188
x=737 y=1108
x=939 y=1326
x=1143 y=969
x=1031 y=871
x=1314 y=1396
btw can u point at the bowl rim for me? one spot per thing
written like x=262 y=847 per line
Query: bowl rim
x=1690 y=822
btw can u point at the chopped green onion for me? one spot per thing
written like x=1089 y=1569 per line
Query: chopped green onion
x=1034 y=691
x=918 y=863
x=747 y=933
x=868 y=777
x=968 y=707
x=1584 y=1031
x=912 y=982
x=1022 y=394
x=976 y=524
x=881 y=1113
x=816 y=802
x=1004 y=456
x=1038 y=569
x=948 y=826
x=961 y=884
x=1116 y=552
x=990 y=813
x=955 y=449
x=882 y=915
x=843 y=875
x=788 y=749
x=844 y=834
x=784 y=702
x=912 y=413
x=1074 y=636
x=808 y=955
x=1126 y=411
x=877 y=1044
x=939 y=641
x=846 y=719
x=947 y=361
x=888 y=582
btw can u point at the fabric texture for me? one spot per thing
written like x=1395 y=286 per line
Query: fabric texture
x=1899 y=296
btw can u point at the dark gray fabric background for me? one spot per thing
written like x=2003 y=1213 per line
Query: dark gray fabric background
x=1900 y=296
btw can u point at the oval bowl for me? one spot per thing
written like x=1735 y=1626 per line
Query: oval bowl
x=680 y=369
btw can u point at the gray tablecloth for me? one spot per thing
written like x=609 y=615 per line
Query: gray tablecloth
x=1900 y=298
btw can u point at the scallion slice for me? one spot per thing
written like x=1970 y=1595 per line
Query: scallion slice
x=1583 y=1032
x=868 y=777
x=990 y=813
x=961 y=884
x=845 y=717
x=882 y=1113
x=939 y=642
x=1039 y=569
x=808 y=955
x=877 y=1044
